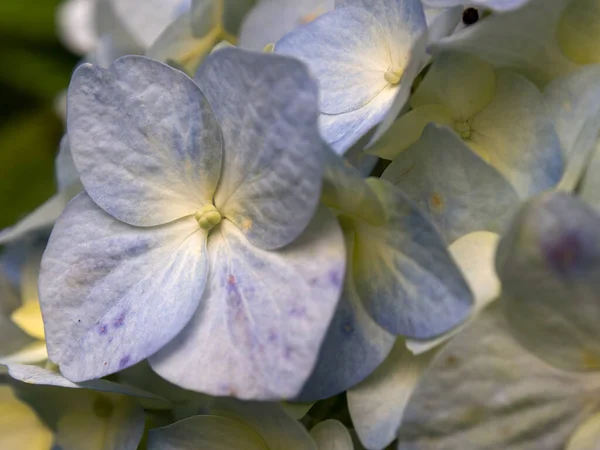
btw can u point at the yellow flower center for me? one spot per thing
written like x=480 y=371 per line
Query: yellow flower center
x=393 y=76
x=463 y=128
x=208 y=217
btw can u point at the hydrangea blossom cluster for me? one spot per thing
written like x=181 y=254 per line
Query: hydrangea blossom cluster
x=314 y=225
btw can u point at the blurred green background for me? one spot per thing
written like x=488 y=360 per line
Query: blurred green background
x=34 y=69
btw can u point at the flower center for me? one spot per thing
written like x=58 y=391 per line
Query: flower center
x=208 y=217
x=393 y=76
x=463 y=128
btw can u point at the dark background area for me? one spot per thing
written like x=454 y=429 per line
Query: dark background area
x=34 y=69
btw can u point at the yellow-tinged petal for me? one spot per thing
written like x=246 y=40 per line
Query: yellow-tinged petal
x=587 y=436
x=578 y=31
x=408 y=129
x=29 y=318
x=462 y=82
x=20 y=428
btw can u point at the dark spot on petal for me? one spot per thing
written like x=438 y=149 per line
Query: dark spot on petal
x=297 y=311
x=335 y=278
x=123 y=362
x=470 y=16
x=272 y=335
x=451 y=361
x=564 y=254
x=102 y=330
x=103 y=408
x=119 y=321
x=347 y=328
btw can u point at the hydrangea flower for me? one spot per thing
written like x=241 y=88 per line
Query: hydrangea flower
x=401 y=280
x=547 y=263
x=500 y=115
x=365 y=55
x=195 y=243
x=377 y=404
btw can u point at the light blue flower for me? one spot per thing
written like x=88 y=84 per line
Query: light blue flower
x=365 y=55
x=401 y=280
x=195 y=242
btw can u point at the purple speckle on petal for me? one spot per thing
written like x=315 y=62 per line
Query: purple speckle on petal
x=335 y=278
x=102 y=330
x=123 y=362
x=119 y=321
x=564 y=254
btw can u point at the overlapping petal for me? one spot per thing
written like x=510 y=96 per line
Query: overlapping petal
x=270 y=20
x=549 y=264
x=403 y=272
x=273 y=153
x=572 y=103
x=331 y=435
x=353 y=347
x=461 y=192
x=499 y=40
x=146 y=22
x=112 y=294
x=484 y=390
x=515 y=135
x=377 y=404
x=496 y=5
x=144 y=139
x=352 y=59
x=263 y=315
x=214 y=432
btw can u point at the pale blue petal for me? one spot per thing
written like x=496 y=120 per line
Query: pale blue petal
x=269 y=421
x=348 y=51
x=515 y=135
x=354 y=345
x=403 y=21
x=460 y=191
x=484 y=391
x=573 y=103
x=499 y=40
x=144 y=139
x=42 y=218
x=548 y=265
x=403 y=271
x=416 y=61
x=250 y=338
x=64 y=166
x=273 y=152
x=112 y=294
x=442 y=22
x=47 y=377
x=475 y=255
x=331 y=435
x=270 y=20
x=342 y=131
x=495 y=5
x=346 y=191
x=377 y=404
x=205 y=432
